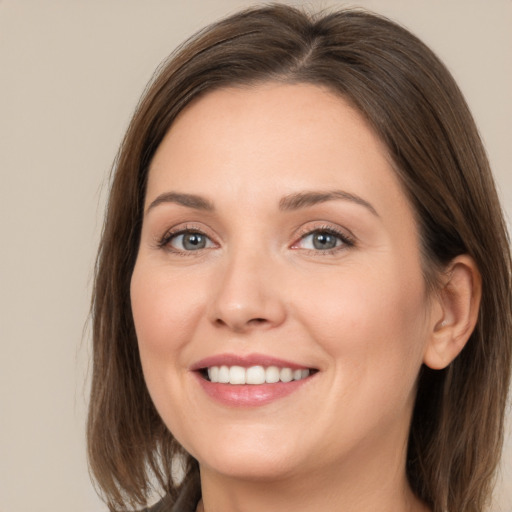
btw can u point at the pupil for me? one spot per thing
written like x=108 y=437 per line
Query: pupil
x=194 y=241
x=324 y=241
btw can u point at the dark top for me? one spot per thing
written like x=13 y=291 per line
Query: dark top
x=188 y=498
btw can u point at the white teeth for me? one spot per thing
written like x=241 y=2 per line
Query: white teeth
x=223 y=374
x=213 y=373
x=237 y=375
x=254 y=375
x=272 y=374
x=286 y=375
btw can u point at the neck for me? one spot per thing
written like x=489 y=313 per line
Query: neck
x=355 y=488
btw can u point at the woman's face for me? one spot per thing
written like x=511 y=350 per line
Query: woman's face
x=277 y=243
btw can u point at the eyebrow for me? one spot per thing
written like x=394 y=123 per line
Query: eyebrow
x=188 y=200
x=305 y=199
x=290 y=202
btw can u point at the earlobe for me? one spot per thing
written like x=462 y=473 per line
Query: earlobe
x=459 y=301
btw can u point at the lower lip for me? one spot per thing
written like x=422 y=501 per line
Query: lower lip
x=249 y=395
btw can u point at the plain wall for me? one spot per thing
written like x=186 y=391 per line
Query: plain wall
x=71 y=72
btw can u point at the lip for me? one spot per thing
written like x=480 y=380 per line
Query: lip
x=247 y=395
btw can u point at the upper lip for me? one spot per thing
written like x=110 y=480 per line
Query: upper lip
x=246 y=361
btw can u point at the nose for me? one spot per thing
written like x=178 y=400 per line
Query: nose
x=248 y=295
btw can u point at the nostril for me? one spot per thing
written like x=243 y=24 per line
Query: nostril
x=257 y=321
x=253 y=322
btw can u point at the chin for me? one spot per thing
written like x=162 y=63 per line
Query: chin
x=249 y=468
x=247 y=459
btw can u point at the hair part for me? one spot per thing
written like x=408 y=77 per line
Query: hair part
x=413 y=104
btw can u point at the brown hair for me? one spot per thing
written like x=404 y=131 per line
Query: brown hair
x=415 y=107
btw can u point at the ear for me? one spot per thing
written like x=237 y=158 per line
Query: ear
x=456 y=312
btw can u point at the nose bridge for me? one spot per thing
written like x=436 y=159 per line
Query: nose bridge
x=247 y=293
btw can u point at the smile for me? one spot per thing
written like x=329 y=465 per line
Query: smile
x=254 y=375
x=250 y=380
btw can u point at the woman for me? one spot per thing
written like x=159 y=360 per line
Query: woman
x=303 y=286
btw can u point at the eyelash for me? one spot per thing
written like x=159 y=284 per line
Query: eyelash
x=165 y=241
x=347 y=241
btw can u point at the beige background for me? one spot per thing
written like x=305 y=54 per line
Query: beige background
x=71 y=72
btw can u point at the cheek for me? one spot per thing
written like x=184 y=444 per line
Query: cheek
x=372 y=319
x=163 y=309
x=165 y=312
x=374 y=333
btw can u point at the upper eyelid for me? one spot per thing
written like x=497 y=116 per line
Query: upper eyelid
x=180 y=229
x=184 y=227
x=340 y=231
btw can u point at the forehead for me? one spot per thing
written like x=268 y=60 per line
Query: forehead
x=304 y=111
x=272 y=137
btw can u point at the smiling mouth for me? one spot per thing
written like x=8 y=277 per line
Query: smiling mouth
x=254 y=375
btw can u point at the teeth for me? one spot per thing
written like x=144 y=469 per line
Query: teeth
x=272 y=374
x=213 y=373
x=254 y=375
x=237 y=375
x=286 y=375
x=224 y=374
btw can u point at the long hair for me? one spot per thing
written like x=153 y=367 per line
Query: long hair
x=414 y=106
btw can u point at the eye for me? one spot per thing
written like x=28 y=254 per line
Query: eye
x=323 y=240
x=185 y=241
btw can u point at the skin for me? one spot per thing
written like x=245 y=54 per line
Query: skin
x=360 y=314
